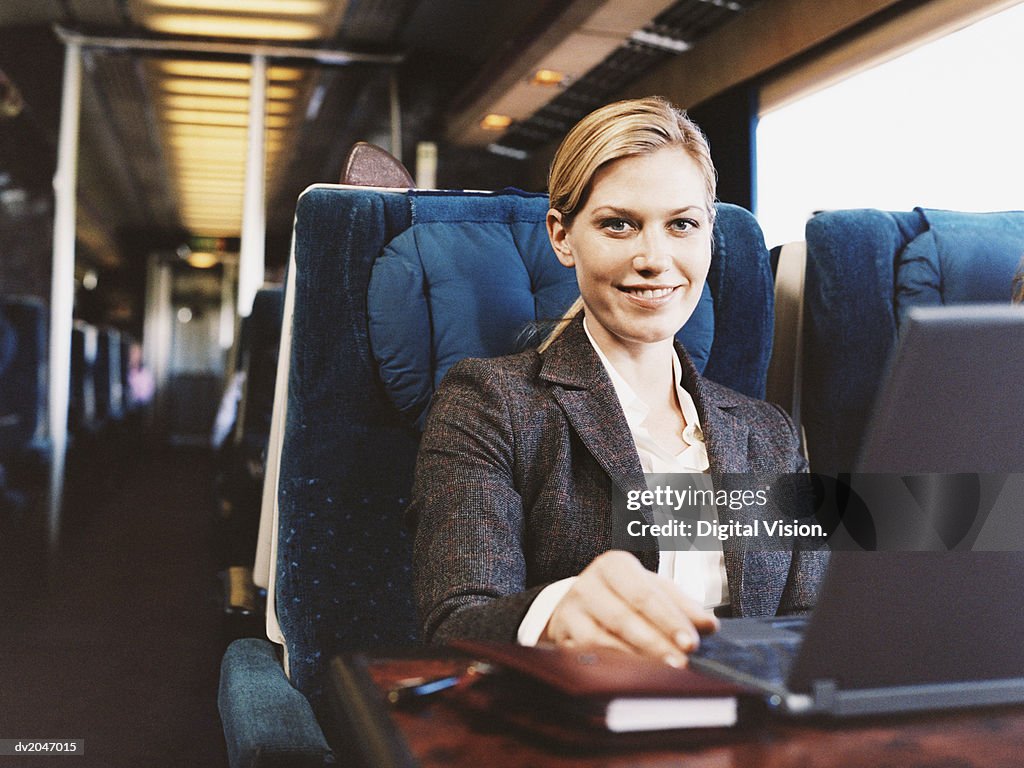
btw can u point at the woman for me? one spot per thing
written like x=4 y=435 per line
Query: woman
x=512 y=497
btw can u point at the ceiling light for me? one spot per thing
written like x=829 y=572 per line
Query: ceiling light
x=225 y=70
x=262 y=7
x=218 y=132
x=234 y=88
x=202 y=259
x=200 y=117
x=221 y=104
x=211 y=173
x=232 y=26
x=661 y=42
x=205 y=132
x=548 y=77
x=493 y=122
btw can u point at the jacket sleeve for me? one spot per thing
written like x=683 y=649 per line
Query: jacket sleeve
x=469 y=569
x=808 y=566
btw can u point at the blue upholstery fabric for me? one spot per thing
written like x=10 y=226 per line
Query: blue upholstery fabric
x=343 y=577
x=449 y=265
x=109 y=395
x=262 y=346
x=864 y=269
x=23 y=382
x=8 y=342
x=343 y=571
x=267 y=723
x=960 y=258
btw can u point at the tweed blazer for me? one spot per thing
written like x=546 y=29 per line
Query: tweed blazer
x=513 y=487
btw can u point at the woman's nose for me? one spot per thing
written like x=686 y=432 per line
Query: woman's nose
x=654 y=255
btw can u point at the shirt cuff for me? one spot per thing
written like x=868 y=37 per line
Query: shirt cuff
x=536 y=619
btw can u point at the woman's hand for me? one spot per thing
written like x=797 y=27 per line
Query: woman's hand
x=617 y=603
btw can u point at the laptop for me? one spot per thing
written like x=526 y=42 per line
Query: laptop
x=903 y=631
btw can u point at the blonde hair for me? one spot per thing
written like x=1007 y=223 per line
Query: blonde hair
x=618 y=130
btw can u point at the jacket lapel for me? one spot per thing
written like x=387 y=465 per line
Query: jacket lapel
x=586 y=395
x=756 y=577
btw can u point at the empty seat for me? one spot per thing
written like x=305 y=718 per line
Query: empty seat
x=108 y=382
x=24 y=444
x=83 y=414
x=864 y=269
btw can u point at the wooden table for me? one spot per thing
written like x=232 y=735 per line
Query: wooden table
x=439 y=733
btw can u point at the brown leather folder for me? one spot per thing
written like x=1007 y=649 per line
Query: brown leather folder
x=602 y=697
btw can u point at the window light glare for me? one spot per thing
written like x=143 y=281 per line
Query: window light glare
x=203 y=25
x=495 y=122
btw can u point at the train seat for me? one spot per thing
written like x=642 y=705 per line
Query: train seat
x=24 y=447
x=242 y=450
x=864 y=268
x=109 y=387
x=23 y=379
x=386 y=289
x=83 y=415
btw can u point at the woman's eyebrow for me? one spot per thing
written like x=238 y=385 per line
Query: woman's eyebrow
x=614 y=210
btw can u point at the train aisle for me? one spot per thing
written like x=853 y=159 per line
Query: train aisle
x=123 y=650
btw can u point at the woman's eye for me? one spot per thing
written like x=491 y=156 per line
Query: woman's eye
x=615 y=225
x=683 y=225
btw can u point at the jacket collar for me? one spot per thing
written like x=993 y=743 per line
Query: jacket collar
x=571 y=362
x=587 y=397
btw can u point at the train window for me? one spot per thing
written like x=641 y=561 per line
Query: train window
x=937 y=127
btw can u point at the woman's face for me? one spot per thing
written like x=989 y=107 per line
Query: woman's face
x=641 y=246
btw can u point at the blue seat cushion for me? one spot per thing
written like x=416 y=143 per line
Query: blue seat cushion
x=959 y=258
x=471 y=277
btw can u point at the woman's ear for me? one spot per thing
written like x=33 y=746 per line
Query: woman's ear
x=558 y=234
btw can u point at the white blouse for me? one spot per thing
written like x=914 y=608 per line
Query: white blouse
x=701 y=575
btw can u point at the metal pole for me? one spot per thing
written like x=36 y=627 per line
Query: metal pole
x=251 y=260
x=62 y=289
x=396 y=116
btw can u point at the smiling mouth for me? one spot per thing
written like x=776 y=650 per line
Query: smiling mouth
x=647 y=293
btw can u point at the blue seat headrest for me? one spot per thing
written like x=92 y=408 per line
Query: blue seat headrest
x=470 y=278
x=959 y=258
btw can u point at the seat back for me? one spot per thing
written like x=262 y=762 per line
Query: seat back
x=386 y=290
x=259 y=352
x=865 y=268
x=109 y=390
x=23 y=381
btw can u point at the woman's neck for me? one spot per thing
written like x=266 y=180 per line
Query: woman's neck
x=647 y=368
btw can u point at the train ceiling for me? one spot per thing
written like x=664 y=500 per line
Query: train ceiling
x=163 y=136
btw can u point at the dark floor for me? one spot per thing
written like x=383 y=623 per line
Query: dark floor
x=122 y=649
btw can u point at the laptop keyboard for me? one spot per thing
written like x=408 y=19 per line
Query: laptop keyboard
x=768 y=658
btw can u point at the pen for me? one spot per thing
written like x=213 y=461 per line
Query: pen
x=415 y=689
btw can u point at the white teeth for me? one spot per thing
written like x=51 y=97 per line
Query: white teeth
x=649 y=293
